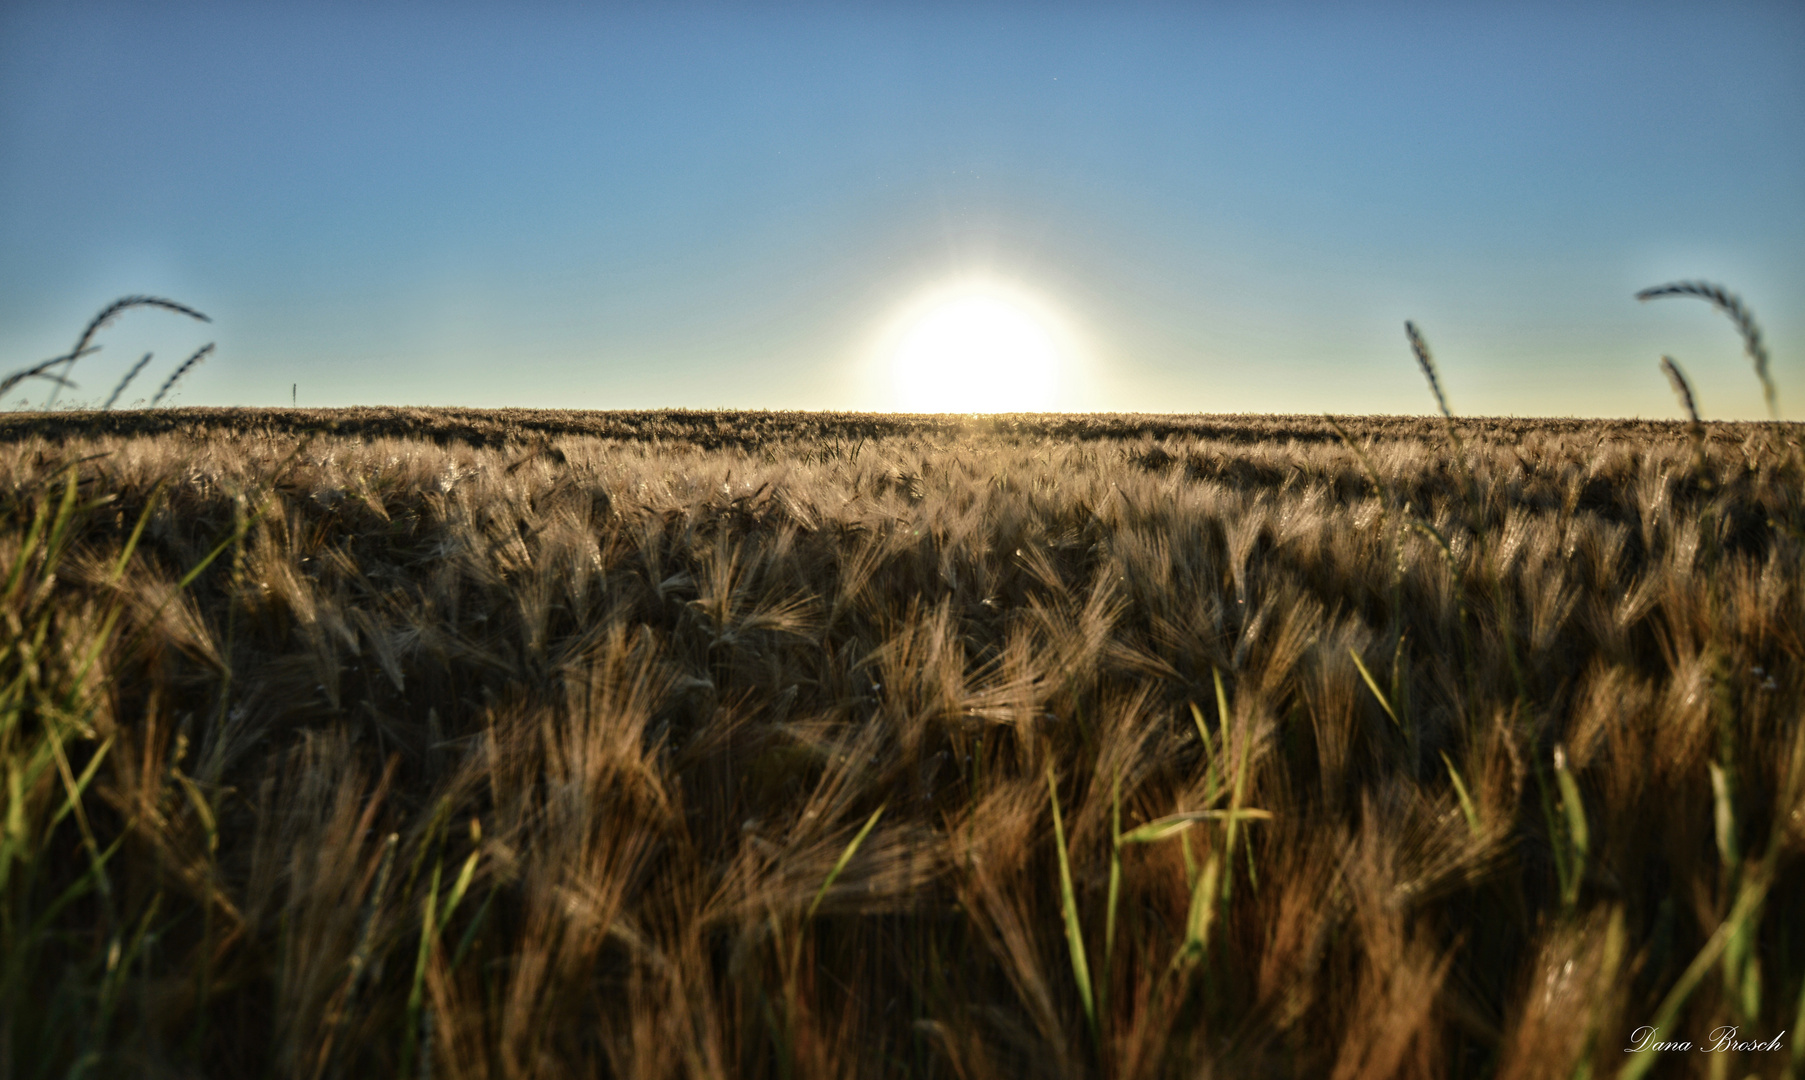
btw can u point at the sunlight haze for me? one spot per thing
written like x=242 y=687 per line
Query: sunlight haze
x=977 y=347
x=1209 y=207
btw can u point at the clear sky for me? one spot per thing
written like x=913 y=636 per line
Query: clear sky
x=1214 y=208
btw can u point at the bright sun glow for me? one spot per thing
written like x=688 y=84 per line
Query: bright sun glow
x=977 y=348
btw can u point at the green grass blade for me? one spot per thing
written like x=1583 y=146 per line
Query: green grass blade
x=1203 y=732
x=1460 y=791
x=1171 y=825
x=1212 y=781
x=1115 y=877
x=1748 y=904
x=1202 y=914
x=1222 y=713
x=77 y=889
x=460 y=887
x=65 y=513
x=1239 y=790
x=1723 y=817
x=1068 y=902
x=73 y=801
x=82 y=782
x=32 y=537
x=417 y=993
x=845 y=857
x=470 y=932
x=131 y=543
x=1578 y=835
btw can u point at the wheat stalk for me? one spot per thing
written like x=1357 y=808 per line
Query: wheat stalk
x=1427 y=363
x=119 y=307
x=1420 y=348
x=1731 y=305
x=199 y=355
x=42 y=371
x=113 y=311
x=123 y=383
x=1681 y=388
x=1695 y=428
x=82 y=348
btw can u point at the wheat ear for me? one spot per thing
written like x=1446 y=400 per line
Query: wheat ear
x=1731 y=305
x=119 y=307
x=1695 y=428
x=1427 y=363
x=1681 y=388
x=42 y=371
x=1423 y=360
x=169 y=383
x=95 y=325
x=123 y=383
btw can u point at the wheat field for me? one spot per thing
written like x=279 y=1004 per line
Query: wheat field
x=465 y=744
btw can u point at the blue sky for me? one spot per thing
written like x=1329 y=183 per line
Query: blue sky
x=1227 y=208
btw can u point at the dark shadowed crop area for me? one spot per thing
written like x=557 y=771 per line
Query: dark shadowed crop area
x=507 y=744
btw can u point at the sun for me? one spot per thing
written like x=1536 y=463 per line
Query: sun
x=976 y=348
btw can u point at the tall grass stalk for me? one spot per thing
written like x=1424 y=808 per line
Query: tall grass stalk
x=83 y=346
x=1733 y=308
x=1695 y=428
x=126 y=381
x=176 y=375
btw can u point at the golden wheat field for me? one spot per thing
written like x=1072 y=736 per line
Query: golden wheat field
x=445 y=743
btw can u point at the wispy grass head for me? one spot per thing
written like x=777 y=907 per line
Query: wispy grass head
x=1695 y=428
x=42 y=371
x=123 y=383
x=84 y=346
x=1423 y=360
x=1427 y=363
x=1731 y=305
x=1681 y=388
x=121 y=306
x=175 y=376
